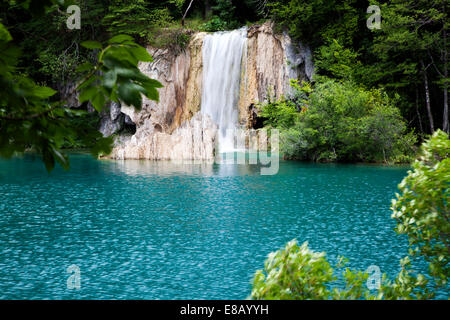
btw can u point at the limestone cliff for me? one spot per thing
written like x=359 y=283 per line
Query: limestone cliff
x=195 y=139
x=165 y=130
x=271 y=61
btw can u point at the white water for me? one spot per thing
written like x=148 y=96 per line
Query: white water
x=222 y=63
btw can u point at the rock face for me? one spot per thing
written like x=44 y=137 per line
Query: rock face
x=180 y=97
x=271 y=61
x=112 y=120
x=195 y=139
x=174 y=128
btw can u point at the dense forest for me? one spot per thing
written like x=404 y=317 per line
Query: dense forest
x=391 y=83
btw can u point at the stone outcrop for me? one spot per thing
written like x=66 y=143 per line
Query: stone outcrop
x=169 y=129
x=271 y=61
x=195 y=139
x=179 y=99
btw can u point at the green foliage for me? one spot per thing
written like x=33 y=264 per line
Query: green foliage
x=317 y=21
x=422 y=209
x=178 y=4
x=87 y=122
x=335 y=60
x=406 y=286
x=120 y=78
x=412 y=42
x=278 y=114
x=410 y=33
x=49 y=53
x=30 y=119
x=286 y=275
x=344 y=122
x=215 y=24
x=135 y=18
x=174 y=39
x=224 y=9
x=224 y=17
x=283 y=113
x=298 y=273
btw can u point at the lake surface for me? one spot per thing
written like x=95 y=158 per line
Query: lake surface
x=156 y=230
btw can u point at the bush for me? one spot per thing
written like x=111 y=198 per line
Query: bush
x=215 y=24
x=340 y=121
x=283 y=114
x=422 y=210
x=173 y=39
x=279 y=114
x=298 y=273
x=224 y=17
x=135 y=19
x=339 y=62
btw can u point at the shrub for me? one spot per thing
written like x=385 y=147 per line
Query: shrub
x=215 y=24
x=341 y=121
x=278 y=114
x=422 y=210
x=135 y=19
x=298 y=273
x=224 y=17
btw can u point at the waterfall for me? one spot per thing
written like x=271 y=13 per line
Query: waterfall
x=222 y=63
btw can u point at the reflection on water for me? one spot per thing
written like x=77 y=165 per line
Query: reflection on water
x=226 y=164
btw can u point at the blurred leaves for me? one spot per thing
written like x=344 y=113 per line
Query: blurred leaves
x=31 y=118
x=117 y=76
x=299 y=273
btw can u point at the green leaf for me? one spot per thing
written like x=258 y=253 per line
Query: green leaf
x=87 y=94
x=129 y=94
x=152 y=94
x=87 y=82
x=121 y=54
x=120 y=39
x=62 y=159
x=4 y=34
x=102 y=146
x=84 y=67
x=109 y=79
x=141 y=54
x=43 y=92
x=90 y=44
x=130 y=73
x=98 y=101
x=151 y=83
x=49 y=161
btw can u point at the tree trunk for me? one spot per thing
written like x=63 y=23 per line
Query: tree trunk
x=427 y=96
x=445 y=124
x=185 y=14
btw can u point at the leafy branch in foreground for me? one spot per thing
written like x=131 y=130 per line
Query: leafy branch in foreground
x=422 y=210
x=299 y=273
x=32 y=119
x=116 y=75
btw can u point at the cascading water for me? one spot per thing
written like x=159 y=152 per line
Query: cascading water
x=222 y=67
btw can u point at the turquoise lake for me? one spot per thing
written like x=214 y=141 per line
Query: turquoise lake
x=156 y=230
